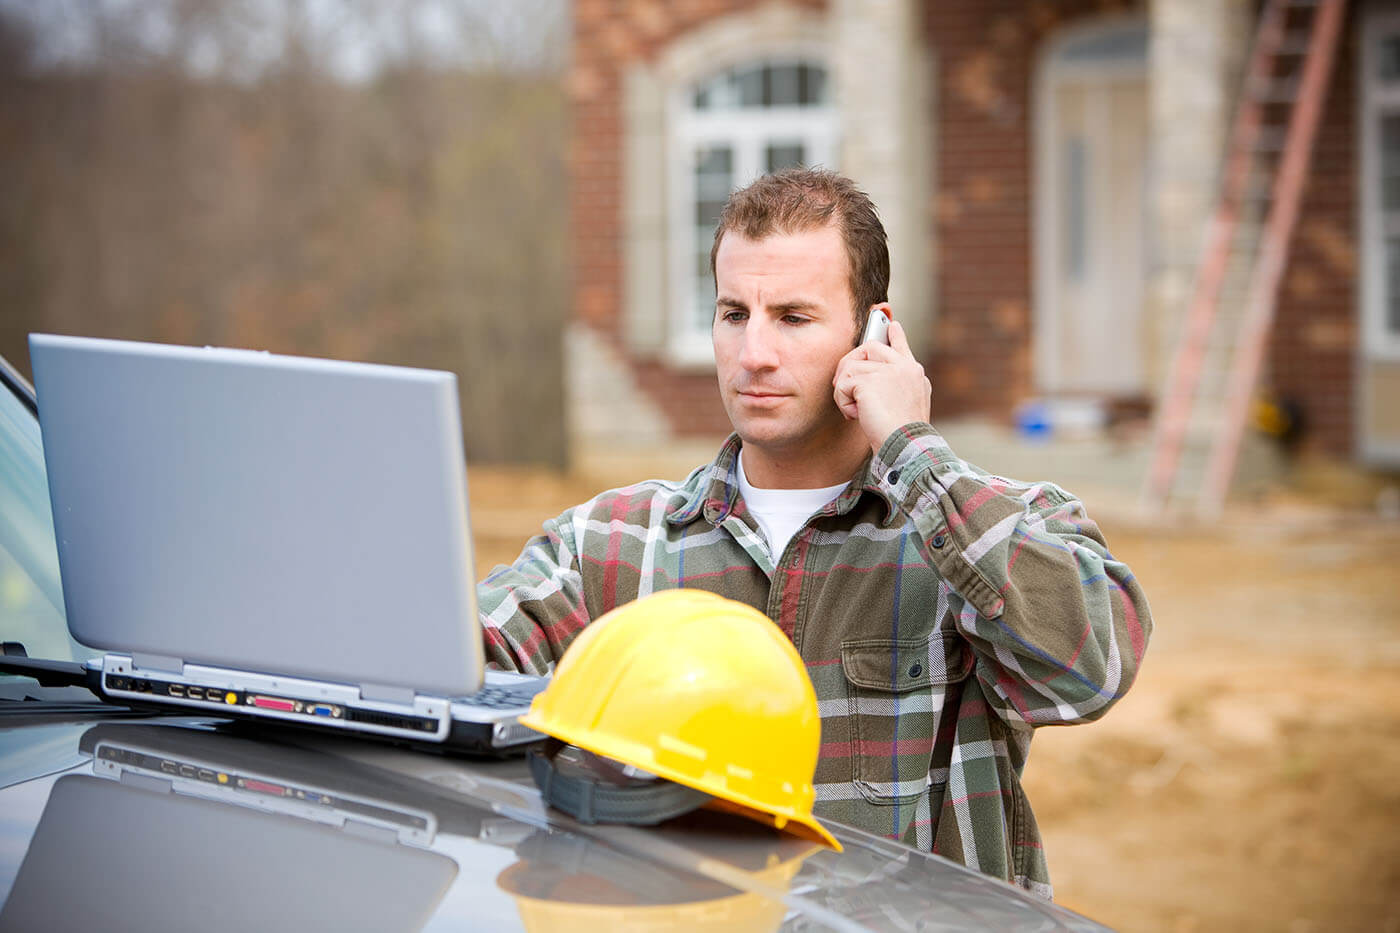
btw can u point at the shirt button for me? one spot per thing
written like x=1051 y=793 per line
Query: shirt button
x=916 y=669
x=893 y=477
x=940 y=540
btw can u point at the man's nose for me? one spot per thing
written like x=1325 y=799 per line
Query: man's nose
x=759 y=350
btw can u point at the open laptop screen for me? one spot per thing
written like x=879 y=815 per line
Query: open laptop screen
x=260 y=512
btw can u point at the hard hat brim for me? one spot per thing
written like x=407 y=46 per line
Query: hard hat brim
x=800 y=824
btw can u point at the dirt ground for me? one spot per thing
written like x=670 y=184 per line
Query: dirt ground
x=1251 y=779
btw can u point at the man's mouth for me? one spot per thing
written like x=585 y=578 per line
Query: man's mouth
x=760 y=400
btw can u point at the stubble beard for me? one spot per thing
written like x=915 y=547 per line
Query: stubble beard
x=812 y=433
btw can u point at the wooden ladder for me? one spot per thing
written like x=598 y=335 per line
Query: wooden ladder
x=1215 y=368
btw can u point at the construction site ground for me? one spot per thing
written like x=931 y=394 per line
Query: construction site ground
x=1251 y=779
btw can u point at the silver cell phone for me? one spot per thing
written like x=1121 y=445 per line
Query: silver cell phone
x=877 y=327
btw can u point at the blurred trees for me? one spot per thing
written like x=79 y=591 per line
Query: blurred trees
x=360 y=180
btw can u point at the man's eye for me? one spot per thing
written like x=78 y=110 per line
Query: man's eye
x=734 y=316
x=794 y=319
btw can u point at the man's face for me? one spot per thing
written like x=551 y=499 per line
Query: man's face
x=783 y=319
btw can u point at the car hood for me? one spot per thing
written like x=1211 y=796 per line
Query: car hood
x=188 y=824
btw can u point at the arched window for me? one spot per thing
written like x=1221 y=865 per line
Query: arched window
x=727 y=129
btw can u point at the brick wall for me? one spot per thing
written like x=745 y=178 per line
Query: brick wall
x=986 y=50
x=981 y=360
x=1312 y=350
x=608 y=35
x=981 y=356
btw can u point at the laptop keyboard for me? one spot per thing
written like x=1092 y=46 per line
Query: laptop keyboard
x=504 y=696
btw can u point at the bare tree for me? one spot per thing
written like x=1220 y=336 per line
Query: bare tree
x=360 y=180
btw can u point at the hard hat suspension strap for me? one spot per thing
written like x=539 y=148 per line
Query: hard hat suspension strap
x=639 y=803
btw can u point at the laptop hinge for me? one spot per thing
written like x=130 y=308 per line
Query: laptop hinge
x=379 y=693
x=157 y=662
x=370 y=831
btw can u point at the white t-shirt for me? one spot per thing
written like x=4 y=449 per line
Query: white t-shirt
x=780 y=512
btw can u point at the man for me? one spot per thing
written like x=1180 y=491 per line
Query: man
x=942 y=612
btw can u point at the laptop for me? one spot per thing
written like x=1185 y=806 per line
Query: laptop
x=267 y=536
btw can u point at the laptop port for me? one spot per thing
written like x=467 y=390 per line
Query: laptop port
x=264 y=787
x=277 y=703
x=195 y=693
x=176 y=690
x=392 y=720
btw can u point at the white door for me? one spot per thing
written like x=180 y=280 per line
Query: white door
x=1091 y=157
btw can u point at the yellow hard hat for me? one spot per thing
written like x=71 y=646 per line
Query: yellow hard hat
x=700 y=690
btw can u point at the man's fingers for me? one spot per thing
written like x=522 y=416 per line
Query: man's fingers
x=857 y=357
x=859 y=370
x=845 y=399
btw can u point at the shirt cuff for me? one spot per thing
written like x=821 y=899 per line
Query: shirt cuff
x=907 y=465
x=907 y=454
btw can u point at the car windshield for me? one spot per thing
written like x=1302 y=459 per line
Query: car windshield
x=31 y=596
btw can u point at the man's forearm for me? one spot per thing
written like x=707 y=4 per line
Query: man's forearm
x=1058 y=625
x=532 y=610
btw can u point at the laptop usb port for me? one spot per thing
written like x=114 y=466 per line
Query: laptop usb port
x=176 y=690
x=195 y=693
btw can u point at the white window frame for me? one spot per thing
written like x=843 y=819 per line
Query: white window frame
x=747 y=132
x=1377 y=100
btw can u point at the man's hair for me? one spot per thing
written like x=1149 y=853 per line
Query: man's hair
x=796 y=200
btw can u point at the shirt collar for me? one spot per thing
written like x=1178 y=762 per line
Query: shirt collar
x=716 y=488
x=716 y=492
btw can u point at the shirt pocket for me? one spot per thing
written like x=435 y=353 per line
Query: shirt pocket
x=897 y=690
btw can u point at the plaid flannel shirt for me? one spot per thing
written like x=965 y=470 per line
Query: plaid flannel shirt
x=942 y=613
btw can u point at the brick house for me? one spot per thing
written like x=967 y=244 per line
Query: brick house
x=1045 y=169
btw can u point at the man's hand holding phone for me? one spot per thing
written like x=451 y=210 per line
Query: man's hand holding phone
x=880 y=384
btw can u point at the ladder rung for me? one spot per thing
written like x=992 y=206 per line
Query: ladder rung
x=1229 y=307
x=1242 y=251
x=1202 y=430
x=1276 y=91
x=1270 y=139
x=1257 y=189
x=1296 y=42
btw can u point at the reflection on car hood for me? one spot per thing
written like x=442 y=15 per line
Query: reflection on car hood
x=188 y=825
